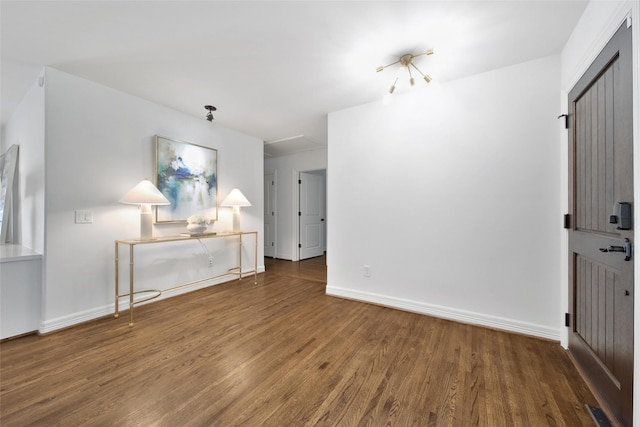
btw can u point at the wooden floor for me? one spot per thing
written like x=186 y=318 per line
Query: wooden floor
x=282 y=353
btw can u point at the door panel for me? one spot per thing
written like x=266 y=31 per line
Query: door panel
x=594 y=142
x=312 y=188
x=269 y=215
x=601 y=174
x=596 y=289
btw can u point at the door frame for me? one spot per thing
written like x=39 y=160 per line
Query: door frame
x=622 y=13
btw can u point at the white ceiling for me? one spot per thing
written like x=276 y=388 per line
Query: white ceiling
x=274 y=69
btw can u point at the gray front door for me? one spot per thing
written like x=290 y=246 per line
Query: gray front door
x=600 y=238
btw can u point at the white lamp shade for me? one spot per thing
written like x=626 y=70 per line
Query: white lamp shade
x=145 y=192
x=235 y=198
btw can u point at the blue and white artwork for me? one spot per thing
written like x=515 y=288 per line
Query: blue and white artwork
x=187 y=175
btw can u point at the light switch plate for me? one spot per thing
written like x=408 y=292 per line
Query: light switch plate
x=366 y=271
x=84 y=217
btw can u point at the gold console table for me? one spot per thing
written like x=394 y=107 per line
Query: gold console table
x=132 y=243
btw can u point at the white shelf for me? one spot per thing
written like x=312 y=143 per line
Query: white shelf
x=10 y=253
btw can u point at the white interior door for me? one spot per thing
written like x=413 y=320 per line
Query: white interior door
x=311 y=214
x=270 y=215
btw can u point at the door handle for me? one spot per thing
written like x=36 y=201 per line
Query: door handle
x=626 y=248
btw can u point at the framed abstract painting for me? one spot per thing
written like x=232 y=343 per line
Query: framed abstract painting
x=187 y=175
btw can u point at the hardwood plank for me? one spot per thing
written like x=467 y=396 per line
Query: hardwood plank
x=282 y=353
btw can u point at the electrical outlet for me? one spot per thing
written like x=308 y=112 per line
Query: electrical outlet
x=366 y=271
x=84 y=217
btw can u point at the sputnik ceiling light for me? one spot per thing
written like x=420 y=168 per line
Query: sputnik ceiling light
x=210 y=114
x=407 y=62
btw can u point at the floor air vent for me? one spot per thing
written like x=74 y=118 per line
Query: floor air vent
x=599 y=416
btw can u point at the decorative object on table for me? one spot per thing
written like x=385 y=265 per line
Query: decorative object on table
x=407 y=62
x=235 y=199
x=187 y=174
x=197 y=225
x=145 y=194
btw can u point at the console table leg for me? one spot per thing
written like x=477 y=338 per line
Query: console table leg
x=131 y=285
x=116 y=314
x=240 y=255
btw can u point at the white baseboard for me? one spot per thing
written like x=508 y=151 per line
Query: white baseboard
x=454 y=314
x=62 y=322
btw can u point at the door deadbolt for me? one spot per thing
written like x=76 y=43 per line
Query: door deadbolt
x=622 y=216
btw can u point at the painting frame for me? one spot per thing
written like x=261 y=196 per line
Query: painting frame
x=9 y=195
x=187 y=175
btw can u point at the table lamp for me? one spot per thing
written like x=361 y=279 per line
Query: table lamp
x=235 y=199
x=145 y=194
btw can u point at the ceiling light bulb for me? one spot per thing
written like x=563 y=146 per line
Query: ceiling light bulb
x=380 y=68
x=411 y=79
x=393 y=86
x=427 y=78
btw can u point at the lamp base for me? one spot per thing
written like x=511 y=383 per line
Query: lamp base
x=236 y=220
x=146 y=222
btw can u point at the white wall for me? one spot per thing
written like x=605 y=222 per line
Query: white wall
x=27 y=129
x=287 y=169
x=99 y=144
x=450 y=195
x=597 y=25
